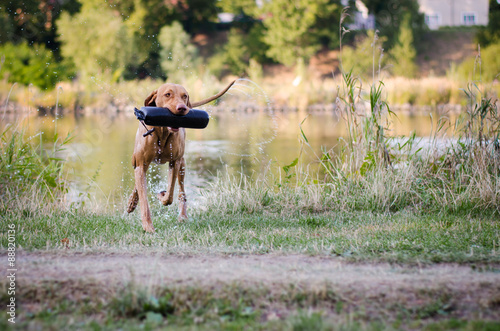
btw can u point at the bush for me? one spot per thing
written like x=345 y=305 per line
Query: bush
x=403 y=53
x=491 y=33
x=177 y=54
x=288 y=27
x=360 y=58
x=31 y=65
x=242 y=54
x=489 y=60
x=216 y=63
x=27 y=170
x=97 y=41
x=236 y=52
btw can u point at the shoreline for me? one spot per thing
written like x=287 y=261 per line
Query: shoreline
x=14 y=110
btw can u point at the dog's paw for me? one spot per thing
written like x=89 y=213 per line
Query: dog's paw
x=148 y=227
x=182 y=219
x=164 y=198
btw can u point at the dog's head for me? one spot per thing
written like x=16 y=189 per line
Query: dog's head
x=171 y=96
x=176 y=98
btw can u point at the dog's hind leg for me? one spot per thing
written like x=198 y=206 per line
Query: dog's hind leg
x=133 y=200
x=182 y=194
x=134 y=197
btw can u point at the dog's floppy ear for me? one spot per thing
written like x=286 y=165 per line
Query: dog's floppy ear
x=151 y=99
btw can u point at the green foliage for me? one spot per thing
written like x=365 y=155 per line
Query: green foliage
x=241 y=50
x=236 y=52
x=7 y=31
x=481 y=128
x=361 y=58
x=288 y=29
x=26 y=168
x=489 y=60
x=403 y=54
x=462 y=176
x=248 y=7
x=33 y=21
x=254 y=41
x=255 y=71
x=177 y=55
x=31 y=65
x=137 y=25
x=217 y=63
x=287 y=32
x=491 y=33
x=309 y=321
x=97 y=41
x=389 y=16
x=196 y=14
x=144 y=19
x=325 y=28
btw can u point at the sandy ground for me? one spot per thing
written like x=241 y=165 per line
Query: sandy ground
x=158 y=268
x=472 y=291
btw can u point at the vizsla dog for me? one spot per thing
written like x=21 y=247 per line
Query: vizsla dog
x=163 y=145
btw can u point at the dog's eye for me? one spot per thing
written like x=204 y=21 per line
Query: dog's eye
x=168 y=95
x=184 y=97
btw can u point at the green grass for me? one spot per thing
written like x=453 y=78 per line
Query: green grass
x=358 y=235
x=30 y=173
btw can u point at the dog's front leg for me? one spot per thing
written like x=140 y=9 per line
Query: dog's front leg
x=167 y=197
x=141 y=187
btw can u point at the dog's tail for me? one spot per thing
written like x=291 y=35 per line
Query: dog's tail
x=132 y=202
x=218 y=95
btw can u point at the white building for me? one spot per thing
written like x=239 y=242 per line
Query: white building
x=454 y=12
x=363 y=20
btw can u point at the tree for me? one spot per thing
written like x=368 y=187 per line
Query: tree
x=177 y=55
x=97 y=40
x=144 y=19
x=33 y=21
x=490 y=34
x=364 y=58
x=326 y=27
x=389 y=16
x=27 y=65
x=487 y=70
x=195 y=14
x=288 y=29
x=403 y=53
x=238 y=7
x=236 y=52
x=7 y=31
x=283 y=31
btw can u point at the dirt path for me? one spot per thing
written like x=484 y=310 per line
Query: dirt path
x=469 y=291
x=266 y=269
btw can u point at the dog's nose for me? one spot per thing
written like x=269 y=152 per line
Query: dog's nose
x=181 y=108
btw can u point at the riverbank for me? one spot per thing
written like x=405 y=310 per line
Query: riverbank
x=299 y=94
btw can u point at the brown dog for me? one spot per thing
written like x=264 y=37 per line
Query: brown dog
x=164 y=145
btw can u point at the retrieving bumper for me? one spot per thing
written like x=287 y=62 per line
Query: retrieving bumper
x=157 y=116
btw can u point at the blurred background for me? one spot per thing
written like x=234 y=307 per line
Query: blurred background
x=80 y=67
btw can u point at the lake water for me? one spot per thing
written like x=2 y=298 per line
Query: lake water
x=99 y=157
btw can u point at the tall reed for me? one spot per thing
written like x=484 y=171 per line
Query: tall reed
x=369 y=170
x=31 y=175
